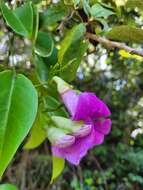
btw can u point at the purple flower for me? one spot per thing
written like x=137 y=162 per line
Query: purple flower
x=89 y=109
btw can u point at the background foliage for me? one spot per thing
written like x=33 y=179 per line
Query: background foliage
x=56 y=46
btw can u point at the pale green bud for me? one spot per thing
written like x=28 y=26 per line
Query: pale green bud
x=76 y=128
x=62 y=86
x=67 y=124
x=59 y=137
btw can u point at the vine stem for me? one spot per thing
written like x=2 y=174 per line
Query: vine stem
x=114 y=44
x=99 y=167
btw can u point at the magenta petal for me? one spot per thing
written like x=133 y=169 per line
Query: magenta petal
x=75 y=152
x=103 y=126
x=70 y=99
x=103 y=109
x=95 y=138
x=90 y=106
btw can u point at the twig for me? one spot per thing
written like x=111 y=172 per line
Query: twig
x=80 y=177
x=64 y=21
x=102 y=173
x=93 y=157
x=113 y=44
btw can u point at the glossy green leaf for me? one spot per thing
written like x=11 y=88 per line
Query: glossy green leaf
x=13 y=21
x=73 y=60
x=86 y=7
x=126 y=34
x=53 y=58
x=71 y=52
x=42 y=69
x=18 y=108
x=98 y=11
x=35 y=23
x=72 y=37
x=25 y=15
x=44 y=65
x=44 y=44
x=58 y=167
x=53 y=14
x=38 y=134
x=7 y=187
x=20 y=20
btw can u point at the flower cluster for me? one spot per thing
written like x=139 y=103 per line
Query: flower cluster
x=87 y=127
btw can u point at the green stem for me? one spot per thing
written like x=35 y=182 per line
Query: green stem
x=53 y=110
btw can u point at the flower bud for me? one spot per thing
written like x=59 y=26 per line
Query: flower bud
x=67 y=124
x=83 y=131
x=69 y=96
x=76 y=128
x=59 y=137
x=66 y=141
x=62 y=86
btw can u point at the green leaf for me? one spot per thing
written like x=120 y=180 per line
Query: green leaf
x=72 y=37
x=98 y=11
x=105 y=5
x=35 y=23
x=54 y=13
x=132 y=4
x=44 y=65
x=54 y=107
x=41 y=68
x=126 y=33
x=58 y=166
x=13 y=21
x=75 y=58
x=7 y=187
x=53 y=58
x=18 y=108
x=44 y=44
x=20 y=20
x=69 y=59
x=86 y=7
x=38 y=134
x=135 y=178
x=76 y=2
x=25 y=15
